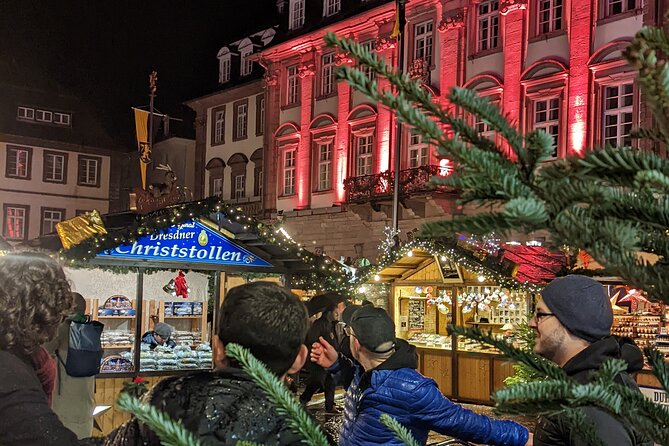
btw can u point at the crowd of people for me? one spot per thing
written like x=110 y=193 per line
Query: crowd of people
x=348 y=345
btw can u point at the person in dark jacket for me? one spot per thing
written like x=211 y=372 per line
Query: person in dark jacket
x=345 y=345
x=35 y=298
x=572 y=323
x=160 y=335
x=225 y=406
x=386 y=381
x=324 y=327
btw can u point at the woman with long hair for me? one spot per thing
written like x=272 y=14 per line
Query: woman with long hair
x=35 y=298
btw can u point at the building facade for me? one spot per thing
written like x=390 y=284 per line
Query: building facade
x=56 y=162
x=230 y=127
x=549 y=64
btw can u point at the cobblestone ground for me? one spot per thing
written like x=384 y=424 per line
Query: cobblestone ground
x=332 y=423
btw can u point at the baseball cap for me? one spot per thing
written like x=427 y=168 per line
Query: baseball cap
x=163 y=330
x=373 y=328
x=347 y=314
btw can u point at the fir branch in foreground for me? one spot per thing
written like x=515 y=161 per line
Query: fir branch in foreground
x=401 y=432
x=278 y=394
x=169 y=431
x=532 y=361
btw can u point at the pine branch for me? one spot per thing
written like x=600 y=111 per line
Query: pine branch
x=278 y=394
x=401 y=432
x=659 y=366
x=170 y=432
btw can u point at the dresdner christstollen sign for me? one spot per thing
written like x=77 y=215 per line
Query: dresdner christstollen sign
x=191 y=242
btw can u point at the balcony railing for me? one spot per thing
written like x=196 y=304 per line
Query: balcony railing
x=380 y=186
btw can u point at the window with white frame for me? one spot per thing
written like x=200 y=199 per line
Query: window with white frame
x=423 y=36
x=61 y=118
x=224 y=69
x=296 y=14
x=241 y=119
x=483 y=129
x=369 y=46
x=419 y=152
x=26 y=113
x=16 y=222
x=293 y=91
x=219 y=126
x=246 y=63
x=43 y=116
x=327 y=74
x=547 y=118
x=240 y=186
x=216 y=187
x=488 y=25
x=18 y=162
x=549 y=16
x=50 y=217
x=614 y=7
x=325 y=166
x=618 y=114
x=331 y=7
x=260 y=114
x=89 y=171
x=54 y=167
x=364 y=147
x=289 y=172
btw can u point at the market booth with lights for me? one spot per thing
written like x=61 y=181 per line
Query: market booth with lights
x=436 y=283
x=175 y=268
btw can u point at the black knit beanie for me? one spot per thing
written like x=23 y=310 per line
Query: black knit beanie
x=581 y=305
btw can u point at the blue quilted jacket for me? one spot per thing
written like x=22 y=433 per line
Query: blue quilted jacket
x=397 y=389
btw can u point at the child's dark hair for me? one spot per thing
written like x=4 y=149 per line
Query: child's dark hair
x=267 y=319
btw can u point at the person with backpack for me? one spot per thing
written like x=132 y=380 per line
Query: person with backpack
x=74 y=397
x=35 y=298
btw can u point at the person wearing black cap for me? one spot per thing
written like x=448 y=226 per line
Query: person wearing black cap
x=386 y=381
x=572 y=322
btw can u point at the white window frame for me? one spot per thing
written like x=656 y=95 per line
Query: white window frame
x=246 y=64
x=621 y=126
x=369 y=46
x=364 y=150
x=325 y=166
x=423 y=41
x=327 y=74
x=219 y=126
x=49 y=223
x=261 y=120
x=293 y=85
x=12 y=220
x=546 y=117
x=43 y=116
x=242 y=117
x=296 y=9
x=331 y=7
x=53 y=174
x=217 y=187
x=549 y=16
x=26 y=113
x=419 y=152
x=487 y=25
x=90 y=166
x=61 y=118
x=625 y=6
x=19 y=153
x=289 y=164
x=224 y=69
x=240 y=186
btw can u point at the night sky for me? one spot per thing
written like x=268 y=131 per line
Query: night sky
x=104 y=50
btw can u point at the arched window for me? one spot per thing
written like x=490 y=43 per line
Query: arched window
x=489 y=86
x=362 y=122
x=237 y=163
x=215 y=168
x=223 y=65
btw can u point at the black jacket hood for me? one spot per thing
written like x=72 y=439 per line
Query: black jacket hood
x=405 y=356
x=610 y=347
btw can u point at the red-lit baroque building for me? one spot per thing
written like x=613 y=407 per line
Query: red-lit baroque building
x=550 y=64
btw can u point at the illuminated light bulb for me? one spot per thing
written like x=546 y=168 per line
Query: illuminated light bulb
x=481 y=279
x=377 y=277
x=410 y=254
x=362 y=290
x=443 y=258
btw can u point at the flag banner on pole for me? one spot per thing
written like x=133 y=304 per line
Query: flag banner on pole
x=399 y=19
x=142 y=133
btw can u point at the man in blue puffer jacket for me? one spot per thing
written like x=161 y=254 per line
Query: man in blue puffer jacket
x=386 y=381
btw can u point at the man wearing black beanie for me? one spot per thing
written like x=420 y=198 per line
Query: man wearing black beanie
x=572 y=322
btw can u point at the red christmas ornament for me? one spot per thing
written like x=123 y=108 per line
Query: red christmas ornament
x=180 y=286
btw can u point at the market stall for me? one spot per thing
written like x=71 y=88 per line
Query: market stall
x=172 y=267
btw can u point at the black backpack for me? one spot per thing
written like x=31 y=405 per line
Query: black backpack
x=84 y=351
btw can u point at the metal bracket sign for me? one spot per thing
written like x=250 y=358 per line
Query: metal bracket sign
x=191 y=242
